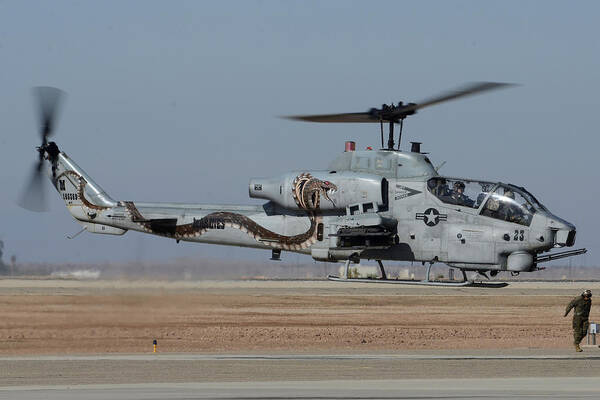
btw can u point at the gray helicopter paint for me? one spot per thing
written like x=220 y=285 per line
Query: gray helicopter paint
x=424 y=228
x=389 y=164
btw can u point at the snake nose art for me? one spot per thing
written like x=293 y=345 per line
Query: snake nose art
x=312 y=191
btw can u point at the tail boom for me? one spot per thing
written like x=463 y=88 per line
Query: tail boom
x=245 y=226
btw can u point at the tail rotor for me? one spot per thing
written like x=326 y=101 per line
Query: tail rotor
x=49 y=101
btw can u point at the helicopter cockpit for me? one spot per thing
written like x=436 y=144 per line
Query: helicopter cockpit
x=495 y=200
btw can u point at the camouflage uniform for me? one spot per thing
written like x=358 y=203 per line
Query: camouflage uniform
x=580 y=318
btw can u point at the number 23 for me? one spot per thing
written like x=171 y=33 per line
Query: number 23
x=519 y=235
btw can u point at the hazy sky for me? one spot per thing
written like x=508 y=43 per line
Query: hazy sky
x=177 y=101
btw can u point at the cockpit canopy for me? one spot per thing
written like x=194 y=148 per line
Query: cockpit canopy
x=496 y=200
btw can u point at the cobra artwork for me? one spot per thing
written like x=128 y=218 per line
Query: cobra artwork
x=306 y=191
x=80 y=189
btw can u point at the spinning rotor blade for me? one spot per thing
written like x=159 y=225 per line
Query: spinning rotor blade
x=463 y=91
x=33 y=197
x=393 y=113
x=348 y=117
x=49 y=100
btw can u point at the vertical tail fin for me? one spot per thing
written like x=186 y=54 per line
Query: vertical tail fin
x=83 y=197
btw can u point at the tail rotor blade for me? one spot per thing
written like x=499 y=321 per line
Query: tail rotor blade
x=33 y=197
x=49 y=100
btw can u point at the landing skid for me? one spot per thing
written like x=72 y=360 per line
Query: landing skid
x=421 y=283
x=426 y=282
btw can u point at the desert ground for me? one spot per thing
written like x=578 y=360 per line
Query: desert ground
x=84 y=317
x=69 y=339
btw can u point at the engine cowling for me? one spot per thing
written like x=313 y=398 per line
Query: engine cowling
x=321 y=190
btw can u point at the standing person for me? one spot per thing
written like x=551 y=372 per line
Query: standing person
x=582 y=305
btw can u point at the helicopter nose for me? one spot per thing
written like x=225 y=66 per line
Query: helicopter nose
x=564 y=238
x=564 y=232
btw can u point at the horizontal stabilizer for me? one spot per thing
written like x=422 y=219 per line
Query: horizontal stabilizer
x=102 y=229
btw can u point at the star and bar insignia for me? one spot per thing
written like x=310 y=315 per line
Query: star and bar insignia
x=432 y=217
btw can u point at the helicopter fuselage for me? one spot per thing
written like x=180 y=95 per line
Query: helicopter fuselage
x=382 y=205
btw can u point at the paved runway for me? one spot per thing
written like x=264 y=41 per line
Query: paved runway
x=516 y=373
x=507 y=388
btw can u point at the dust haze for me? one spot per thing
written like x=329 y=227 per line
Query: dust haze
x=226 y=269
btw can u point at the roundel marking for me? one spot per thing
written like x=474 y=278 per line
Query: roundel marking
x=431 y=217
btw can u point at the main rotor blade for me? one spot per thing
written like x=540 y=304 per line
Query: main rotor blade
x=49 y=100
x=396 y=113
x=347 y=117
x=462 y=91
x=33 y=197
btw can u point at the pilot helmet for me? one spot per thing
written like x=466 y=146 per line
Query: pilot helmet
x=587 y=293
x=492 y=204
x=509 y=193
x=459 y=185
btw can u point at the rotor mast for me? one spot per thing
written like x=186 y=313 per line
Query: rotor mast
x=400 y=121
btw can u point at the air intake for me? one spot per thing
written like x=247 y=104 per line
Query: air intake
x=415 y=147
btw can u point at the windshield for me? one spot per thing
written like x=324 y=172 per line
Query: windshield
x=460 y=192
x=531 y=198
x=509 y=203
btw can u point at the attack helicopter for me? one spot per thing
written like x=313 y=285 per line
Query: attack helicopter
x=382 y=205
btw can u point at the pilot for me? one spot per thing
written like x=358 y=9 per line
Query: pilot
x=509 y=209
x=431 y=184
x=439 y=187
x=581 y=305
x=458 y=196
x=491 y=207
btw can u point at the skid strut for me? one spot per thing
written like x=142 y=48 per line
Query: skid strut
x=428 y=272
x=382 y=273
x=381 y=269
x=347 y=269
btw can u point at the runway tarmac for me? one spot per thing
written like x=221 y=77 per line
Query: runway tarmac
x=520 y=373
x=508 y=388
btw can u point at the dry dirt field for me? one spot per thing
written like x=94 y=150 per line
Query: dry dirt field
x=77 y=317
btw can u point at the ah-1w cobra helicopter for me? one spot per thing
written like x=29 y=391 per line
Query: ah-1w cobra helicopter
x=379 y=205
